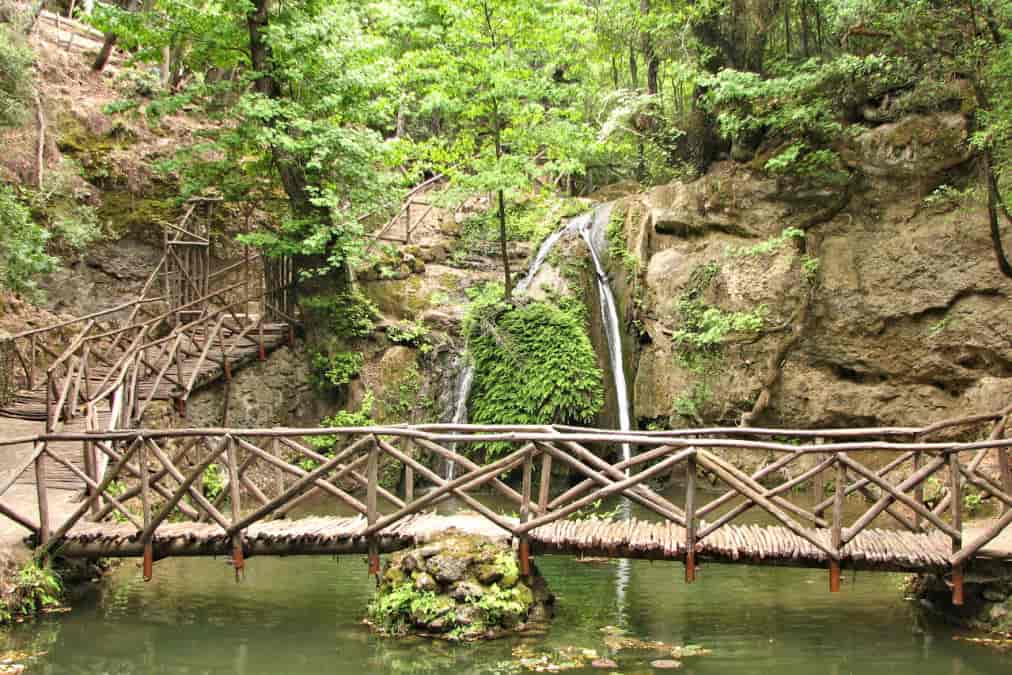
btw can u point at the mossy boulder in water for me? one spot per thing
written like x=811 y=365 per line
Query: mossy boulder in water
x=458 y=587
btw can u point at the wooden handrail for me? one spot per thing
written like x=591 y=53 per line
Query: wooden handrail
x=830 y=540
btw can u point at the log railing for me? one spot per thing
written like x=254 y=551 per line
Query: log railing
x=185 y=314
x=158 y=476
x=140 y=358
x=28 y=356
x=149 y=351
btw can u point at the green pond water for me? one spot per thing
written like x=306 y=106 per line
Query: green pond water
x=304 y=615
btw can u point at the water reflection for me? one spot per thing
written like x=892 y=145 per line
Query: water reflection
x=303 y=616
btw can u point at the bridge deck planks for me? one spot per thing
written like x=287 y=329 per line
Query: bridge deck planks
x=331 y=535
x=31 y=405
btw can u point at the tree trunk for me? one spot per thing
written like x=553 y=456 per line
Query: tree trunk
x=292 y=177
x=787 y=26
x=40 y=148
x=166 y=71
x=102 y=60
x=993 y=200
x=633 y=74
x=504 y=248
x=647 y=46
x=497 y=129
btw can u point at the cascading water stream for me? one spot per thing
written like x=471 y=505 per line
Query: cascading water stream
x=591 y=227
x=593 y=232
x=460 y=410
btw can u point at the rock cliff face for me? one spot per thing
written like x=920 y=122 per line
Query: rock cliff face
x=886 y=307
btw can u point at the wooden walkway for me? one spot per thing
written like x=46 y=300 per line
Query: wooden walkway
x=877 y=549
x=187 y=327
x=888 y=524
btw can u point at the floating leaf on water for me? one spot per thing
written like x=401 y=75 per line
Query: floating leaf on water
x=686 y=651
x=553 y=661
x=619 y=642
x=1000 y=644
x=666 y=664
x=604 y=664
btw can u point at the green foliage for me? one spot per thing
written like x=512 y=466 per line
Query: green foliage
x=691 y=402
x=534 y=364
x=392 y=611
x=506 y=565
x=77 y=227
x=703 y=328
x=345 y=315
x=343 y=418
x=771 y=245
x=34 y=588
x=214 y=481
x=15 y=77
x=950 y=197
x=402 y=396
x=498 y=603
x=22 y=246
x=973 y=502
x=617 y=249
x=413 y=333
x=595 y=511
x=332 y=371
x=797 y=113
x=810 y=268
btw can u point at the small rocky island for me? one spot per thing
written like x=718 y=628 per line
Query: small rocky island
x=458 y=587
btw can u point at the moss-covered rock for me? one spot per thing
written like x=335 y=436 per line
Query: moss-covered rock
x=987 y=605
x=458 y=587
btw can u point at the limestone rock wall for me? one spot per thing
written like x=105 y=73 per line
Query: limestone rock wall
x=907 y=317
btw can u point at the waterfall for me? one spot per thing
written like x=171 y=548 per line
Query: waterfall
x=593 y=230
x=466 y=380
x=546 y=247
x=592 y=227
x=460 y=410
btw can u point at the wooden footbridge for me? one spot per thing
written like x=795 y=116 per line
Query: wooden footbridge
x=192 y=323
x=153 y=486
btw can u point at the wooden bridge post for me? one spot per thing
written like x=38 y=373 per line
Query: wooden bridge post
x=690 y=519
x=279 y=473
x=33 y=349
x=407 y=222
x=919 y=490
x=42 y=493
x=820 y=483
x=238 y=561
x=262 y=349
x=840 y=491
x=91 y=461
x=545 y=487
x=524 y=544
x=409 y=475
x=956 y=505
x=149 y=558
x=134 y=414
x=372 y=512
x=1006 y=474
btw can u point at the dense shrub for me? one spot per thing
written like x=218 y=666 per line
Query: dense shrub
x=534 y=364
x=15 y=77
x=22 y=245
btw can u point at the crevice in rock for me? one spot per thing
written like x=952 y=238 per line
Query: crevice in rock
x=848 y=374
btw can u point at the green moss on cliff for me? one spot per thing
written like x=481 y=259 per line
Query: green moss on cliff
x=534 y=364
